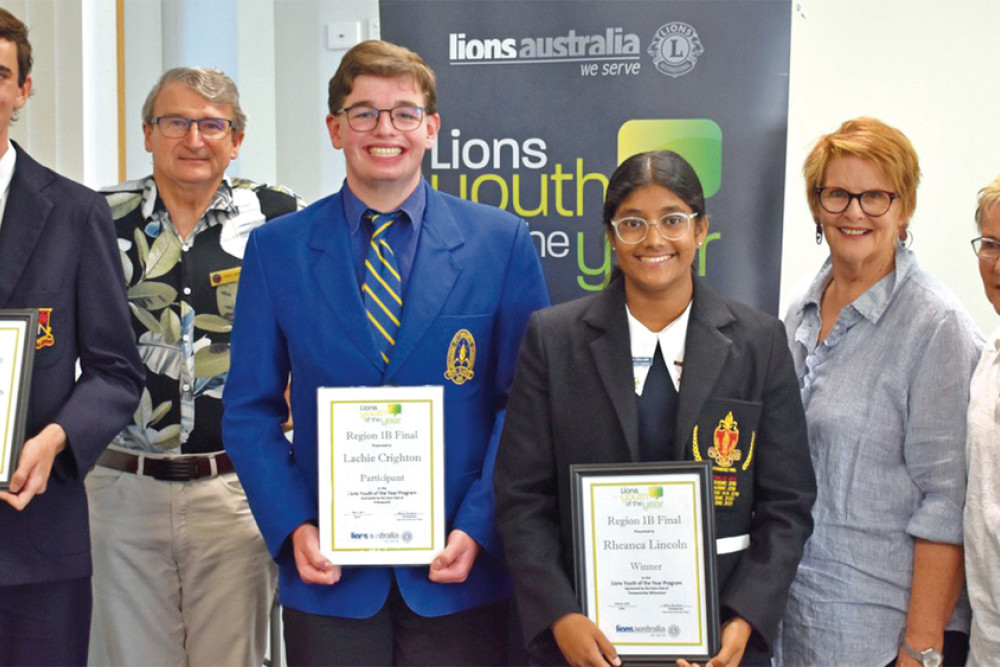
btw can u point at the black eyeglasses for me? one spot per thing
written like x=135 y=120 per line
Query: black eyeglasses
x=873 y=202
x=175 y=127
x=987 y=250
x=364 y=118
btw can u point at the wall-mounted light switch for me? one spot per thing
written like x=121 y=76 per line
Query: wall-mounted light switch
x=342 y=35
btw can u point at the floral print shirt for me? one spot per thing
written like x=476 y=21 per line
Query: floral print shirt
x=182 y=293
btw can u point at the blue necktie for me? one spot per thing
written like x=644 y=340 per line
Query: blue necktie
x=382 y=289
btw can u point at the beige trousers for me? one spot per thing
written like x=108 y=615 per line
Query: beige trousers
x=181 y=573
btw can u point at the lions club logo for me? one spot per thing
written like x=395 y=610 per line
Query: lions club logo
x=727 y=436
x=461 y=357
x=675 y=49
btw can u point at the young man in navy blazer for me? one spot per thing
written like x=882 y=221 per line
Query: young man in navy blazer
x=57 y=254
x=470 y=274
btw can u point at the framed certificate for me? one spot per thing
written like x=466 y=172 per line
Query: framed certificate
x=17 y=352
x=645 y=557
x=381 y=474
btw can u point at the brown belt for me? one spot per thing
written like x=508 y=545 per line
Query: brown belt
x=168 y=469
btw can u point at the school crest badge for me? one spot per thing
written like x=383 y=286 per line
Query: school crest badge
x=461 y=357
x=726 y=437
x=44 y=338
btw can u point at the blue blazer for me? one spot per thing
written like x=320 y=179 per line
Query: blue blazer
x=300 y=311
x=58 y=251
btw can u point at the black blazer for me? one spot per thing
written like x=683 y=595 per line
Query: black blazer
x=58 y=250
x=573 y=401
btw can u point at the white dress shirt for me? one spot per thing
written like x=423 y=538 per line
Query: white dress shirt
x=982 y=507
x=6 y=173
x=643 y=344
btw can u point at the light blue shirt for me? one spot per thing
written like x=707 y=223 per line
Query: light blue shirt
x=885 y=395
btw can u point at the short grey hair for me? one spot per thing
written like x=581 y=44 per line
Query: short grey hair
x=212 y=84
x=987 y=198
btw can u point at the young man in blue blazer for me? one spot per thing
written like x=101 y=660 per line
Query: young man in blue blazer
x=461 y=272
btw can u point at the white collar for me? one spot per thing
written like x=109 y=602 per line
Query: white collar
x=7 y=168
x=7 y=163
x=643 y=342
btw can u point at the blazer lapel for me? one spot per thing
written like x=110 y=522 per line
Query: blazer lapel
x=611 y=350
x=333 y=270
x=705 y=351
x=24 y=219
x=436 y=268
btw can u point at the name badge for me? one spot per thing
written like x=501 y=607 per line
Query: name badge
x=225 y=276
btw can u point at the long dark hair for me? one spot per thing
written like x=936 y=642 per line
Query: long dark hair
x=664 y=168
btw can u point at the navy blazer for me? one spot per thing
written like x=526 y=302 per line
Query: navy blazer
x=58 y=251
x=299 y=311
x=573 y=401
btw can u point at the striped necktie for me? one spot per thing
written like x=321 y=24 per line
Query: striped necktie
x=382 y=289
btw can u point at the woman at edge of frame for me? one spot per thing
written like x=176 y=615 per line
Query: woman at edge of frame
x=576 y=399
x=884 y=354
x=982 y=498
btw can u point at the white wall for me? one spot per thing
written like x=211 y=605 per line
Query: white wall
x=99 y=111
x=307 y=162
x=143 y=65
x=930 y=69
x=51 y=125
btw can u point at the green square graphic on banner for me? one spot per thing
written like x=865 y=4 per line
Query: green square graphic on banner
x=697 y=140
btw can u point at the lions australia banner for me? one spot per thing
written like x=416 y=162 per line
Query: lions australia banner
x=541 y=99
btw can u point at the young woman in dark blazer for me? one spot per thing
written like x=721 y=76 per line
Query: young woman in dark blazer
x=578 y=397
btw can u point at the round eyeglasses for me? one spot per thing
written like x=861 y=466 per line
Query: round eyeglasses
x=987 y=250
x=873 y=202
x=364 y=118
x=672 y=226
x=176 y=127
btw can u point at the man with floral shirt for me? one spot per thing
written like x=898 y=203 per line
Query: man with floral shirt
x=181 y=574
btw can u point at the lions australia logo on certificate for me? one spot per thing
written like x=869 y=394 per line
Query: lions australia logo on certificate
x=381 y=474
